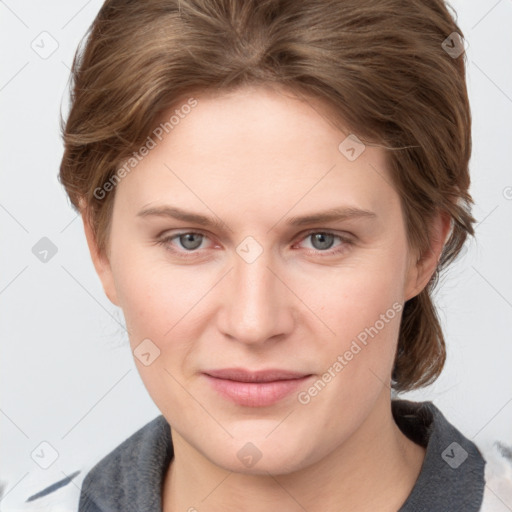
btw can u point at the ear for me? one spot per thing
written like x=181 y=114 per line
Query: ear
x=422 y=267
x=100 y=261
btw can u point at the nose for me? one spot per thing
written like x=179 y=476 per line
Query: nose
x=257 y=305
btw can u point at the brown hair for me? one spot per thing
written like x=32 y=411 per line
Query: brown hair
x=380 y=65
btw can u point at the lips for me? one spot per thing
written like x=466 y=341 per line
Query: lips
x=242 y=375
x=255 y=388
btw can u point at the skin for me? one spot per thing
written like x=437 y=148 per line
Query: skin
x=254 y=158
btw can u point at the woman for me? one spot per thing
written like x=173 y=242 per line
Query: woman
x=269 y=191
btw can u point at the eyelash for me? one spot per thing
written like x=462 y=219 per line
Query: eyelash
x=165 y=241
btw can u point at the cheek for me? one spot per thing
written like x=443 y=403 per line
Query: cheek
x=353 y=298
x=153 y=296
x=363 y=307
x=357 y=361
x=157 y=303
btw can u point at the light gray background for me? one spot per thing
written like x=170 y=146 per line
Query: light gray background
x=67 y=374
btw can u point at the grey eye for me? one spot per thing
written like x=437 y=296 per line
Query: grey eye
x=187 y=240
x=322 y=241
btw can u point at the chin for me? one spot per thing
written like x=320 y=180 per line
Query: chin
x=257 y=455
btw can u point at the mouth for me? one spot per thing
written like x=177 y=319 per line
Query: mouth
x=259 y=388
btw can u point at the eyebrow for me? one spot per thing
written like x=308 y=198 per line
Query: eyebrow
x=330 y=215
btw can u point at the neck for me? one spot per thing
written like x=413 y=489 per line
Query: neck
x=375 y=469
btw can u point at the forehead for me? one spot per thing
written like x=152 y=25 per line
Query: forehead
x=257 y=147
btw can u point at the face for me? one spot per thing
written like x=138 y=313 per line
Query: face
x=263 y=285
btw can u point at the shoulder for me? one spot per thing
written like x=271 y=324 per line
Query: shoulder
x=62 y=491
x=130 y=476
x=459 y=471
x=131 y=455
x=498 y=476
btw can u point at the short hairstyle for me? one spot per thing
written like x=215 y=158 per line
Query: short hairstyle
x=381 y=66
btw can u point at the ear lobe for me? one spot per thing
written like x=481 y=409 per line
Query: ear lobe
x=100 y=260
x=422 y=268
